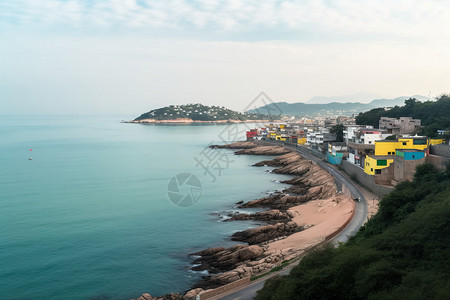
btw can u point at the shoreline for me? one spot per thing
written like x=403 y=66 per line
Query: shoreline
x=302 y=216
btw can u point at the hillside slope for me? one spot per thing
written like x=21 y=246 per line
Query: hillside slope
x=334 y=108
x=403 y=252
x=198 y=112
x=434 y=114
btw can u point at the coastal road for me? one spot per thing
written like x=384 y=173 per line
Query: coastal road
x=361 y=205
x=248 y=292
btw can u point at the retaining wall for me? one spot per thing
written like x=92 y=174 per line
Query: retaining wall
x=439 y=162
x=223 y=289
x=440 y=150
x=365 y=179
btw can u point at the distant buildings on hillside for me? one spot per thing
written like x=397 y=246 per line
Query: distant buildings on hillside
x=404 y=125
x=389 y=153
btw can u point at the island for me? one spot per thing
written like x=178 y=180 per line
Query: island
x=199 y=113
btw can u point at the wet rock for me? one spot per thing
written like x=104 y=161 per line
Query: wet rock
x=263 y=150
x=190 y=295
x=280 y=202
x=271 y=216
x=266 y=233
x=171 y=296
x=236 y=145
x=228 y=259
x=145 y=296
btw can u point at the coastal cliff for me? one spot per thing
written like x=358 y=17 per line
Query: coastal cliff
x=296 y=219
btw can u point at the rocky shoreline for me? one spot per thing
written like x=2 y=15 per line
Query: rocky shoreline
x=265 y=245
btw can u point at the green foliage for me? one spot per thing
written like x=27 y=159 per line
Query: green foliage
x=403 y=252
x=339 y=130
x=391 y=138
x=434 y=114
x=199 y=112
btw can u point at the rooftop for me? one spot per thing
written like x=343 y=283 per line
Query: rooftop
x=377 y=157
x=408 y=150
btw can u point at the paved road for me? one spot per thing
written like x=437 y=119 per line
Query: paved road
x=248 y=292
x=361 y=206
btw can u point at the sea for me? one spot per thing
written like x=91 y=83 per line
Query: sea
x=92 y=208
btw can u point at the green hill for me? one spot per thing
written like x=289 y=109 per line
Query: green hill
x=333 y=108
x=434 y=114
x=199 y=112
x=403 y=252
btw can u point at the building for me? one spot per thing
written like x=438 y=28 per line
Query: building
x=369 y=136
x=405 y=163
x=251 y=134
x=381 y=167
x=389 y=147
x=396 y=160
x=404 y=125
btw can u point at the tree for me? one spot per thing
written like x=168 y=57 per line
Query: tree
x=339 y=130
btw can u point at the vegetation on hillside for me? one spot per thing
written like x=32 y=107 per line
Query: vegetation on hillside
x=339 y=130
x=322 y=108
x=199 y=112
x=435 y=115
x=403 y=252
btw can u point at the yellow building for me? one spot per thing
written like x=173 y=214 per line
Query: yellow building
x=437 y=141
x=301 y=141
x=389 y=147
x=373 y=164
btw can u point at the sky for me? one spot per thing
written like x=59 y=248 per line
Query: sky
x=130 y=56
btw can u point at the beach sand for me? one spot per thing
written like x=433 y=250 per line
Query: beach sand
x=325 y=216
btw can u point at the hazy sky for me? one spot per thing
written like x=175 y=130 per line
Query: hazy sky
x=129 y=56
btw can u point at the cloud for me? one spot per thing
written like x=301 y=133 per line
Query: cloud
x=110 y=54
x=397 y=19
x=114 y=75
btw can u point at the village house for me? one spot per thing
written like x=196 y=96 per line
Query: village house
x=404 y=125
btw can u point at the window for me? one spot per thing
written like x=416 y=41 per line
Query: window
x=382 y=162
x=419 y=142
x=378 y=171
x=371 y=169
x=414 y=156
x=404 y=143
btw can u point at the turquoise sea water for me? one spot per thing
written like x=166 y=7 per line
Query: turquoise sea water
x=89 y=217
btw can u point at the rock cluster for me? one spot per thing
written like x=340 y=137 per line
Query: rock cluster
x=171 y=296
x=251 y=148
x=271 y=216
x=236 y=262
x=266 y=233
x=236 y=145
x=228 y=265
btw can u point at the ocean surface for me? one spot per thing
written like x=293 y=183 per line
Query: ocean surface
x=89 y=217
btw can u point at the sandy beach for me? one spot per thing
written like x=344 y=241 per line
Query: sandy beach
x=304 y=215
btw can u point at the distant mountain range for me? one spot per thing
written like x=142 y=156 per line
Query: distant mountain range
x=333 y=108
